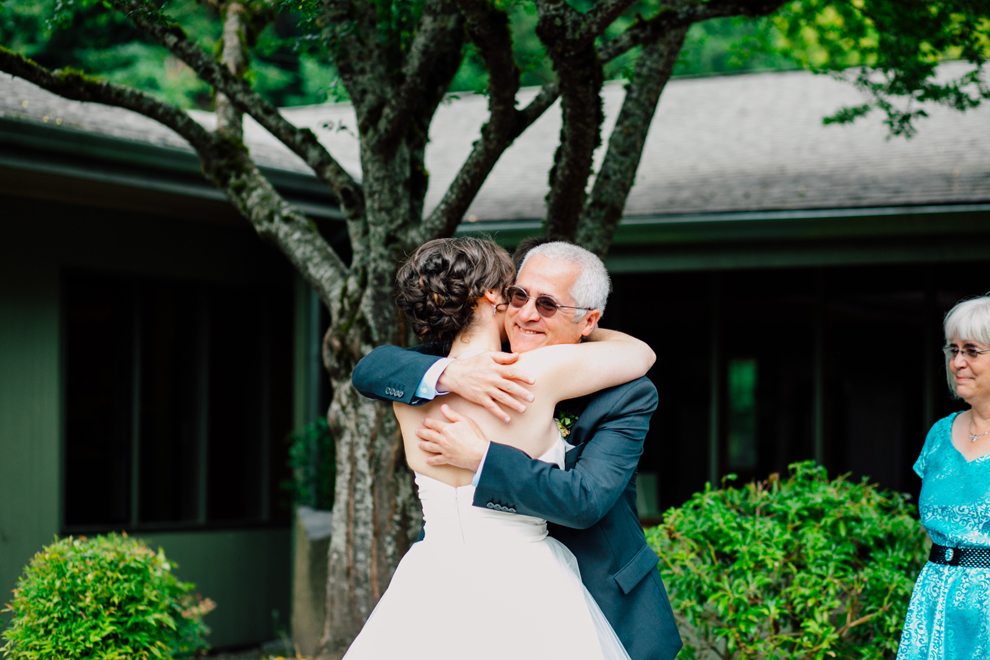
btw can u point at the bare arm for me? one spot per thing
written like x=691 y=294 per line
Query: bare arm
x=607 y=359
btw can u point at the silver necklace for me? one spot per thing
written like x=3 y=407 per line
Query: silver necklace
x=974 y=438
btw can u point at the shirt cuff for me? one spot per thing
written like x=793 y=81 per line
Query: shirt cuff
x=481 y=466
x=428 y=386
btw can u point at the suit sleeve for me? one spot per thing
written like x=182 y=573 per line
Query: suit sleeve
x=581 y=496
x=391 y=373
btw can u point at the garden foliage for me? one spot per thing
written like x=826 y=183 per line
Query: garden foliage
x=314 y=468
x=109 y=597
x=796 y=567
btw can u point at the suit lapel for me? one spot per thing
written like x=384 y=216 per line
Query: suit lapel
x=577 y=437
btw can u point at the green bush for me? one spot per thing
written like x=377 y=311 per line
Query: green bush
x=314 y=468
x=801 y=567
x=110 y=597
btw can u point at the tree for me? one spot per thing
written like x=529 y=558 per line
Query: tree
x=396 y=60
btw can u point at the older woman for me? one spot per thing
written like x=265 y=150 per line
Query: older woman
x=949 y=614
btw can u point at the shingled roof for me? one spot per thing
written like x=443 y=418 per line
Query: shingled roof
x=727 y=144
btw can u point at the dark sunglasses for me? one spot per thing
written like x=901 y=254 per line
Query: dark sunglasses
x=545 y=305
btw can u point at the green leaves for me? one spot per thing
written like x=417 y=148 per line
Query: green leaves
x=109 y=597
x=312 y=458
x=801 y=567
x=894 y=48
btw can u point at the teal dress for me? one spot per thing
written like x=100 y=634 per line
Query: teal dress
x=949 y=614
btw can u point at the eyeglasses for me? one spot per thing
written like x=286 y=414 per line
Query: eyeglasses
x=545 y=305
x=971 y=353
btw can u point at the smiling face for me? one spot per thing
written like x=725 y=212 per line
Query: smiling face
x=971 y=375
x=525 y=328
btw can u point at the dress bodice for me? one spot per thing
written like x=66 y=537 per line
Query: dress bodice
x=450 y=517
x=948 y=617
x=955 y=493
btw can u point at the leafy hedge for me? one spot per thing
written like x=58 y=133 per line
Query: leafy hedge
x=109 y=597
x=796 y=567
x=312 y=458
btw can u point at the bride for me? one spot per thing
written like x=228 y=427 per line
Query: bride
x=488 y=583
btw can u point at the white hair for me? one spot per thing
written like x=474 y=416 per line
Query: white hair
x=969 y=319
x=592 y=286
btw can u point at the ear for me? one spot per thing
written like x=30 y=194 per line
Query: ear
x=590 y=322
x=492 y=297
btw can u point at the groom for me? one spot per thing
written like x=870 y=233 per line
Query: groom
x=591 y=504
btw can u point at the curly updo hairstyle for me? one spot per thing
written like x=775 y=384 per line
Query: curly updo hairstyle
x=438 y=286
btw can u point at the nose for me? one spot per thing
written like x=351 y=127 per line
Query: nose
x=958 y=360
x=528 y=311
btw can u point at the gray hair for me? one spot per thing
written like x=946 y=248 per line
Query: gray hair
x=969 y=319
x=592 y=286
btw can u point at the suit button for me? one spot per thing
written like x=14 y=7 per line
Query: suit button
x=490 y=505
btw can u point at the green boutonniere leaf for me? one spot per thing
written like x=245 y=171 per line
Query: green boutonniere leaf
x=565 y=422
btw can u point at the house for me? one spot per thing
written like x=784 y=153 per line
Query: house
x=154 y=354
x=791 y=277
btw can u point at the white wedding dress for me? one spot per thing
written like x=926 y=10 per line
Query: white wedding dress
x=485 y=585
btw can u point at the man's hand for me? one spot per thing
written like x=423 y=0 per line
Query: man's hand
x=458 y=442
x=488 y=379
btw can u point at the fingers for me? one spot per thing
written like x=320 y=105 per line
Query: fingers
x=434 y=424
x=507 y=400
x=437 y=459
x=430 y=436
x=451 y=414
x=428 y=443
x=516 y=374
x=431 y=447
x=517 y=391
x=494 y=409
x=504 y=358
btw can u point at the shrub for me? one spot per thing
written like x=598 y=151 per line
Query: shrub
x=314 y=468
x=801 y=567
x=109 y=597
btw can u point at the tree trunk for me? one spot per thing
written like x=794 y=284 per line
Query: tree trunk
x=376 y=515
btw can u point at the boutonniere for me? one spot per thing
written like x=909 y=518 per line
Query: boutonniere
x=565 y=422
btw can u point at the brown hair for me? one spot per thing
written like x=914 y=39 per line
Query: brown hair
x=438 y=286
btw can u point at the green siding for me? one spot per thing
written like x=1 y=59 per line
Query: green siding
x=246 y=571
x=29 y=414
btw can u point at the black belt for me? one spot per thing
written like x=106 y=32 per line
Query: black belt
x=963 y=557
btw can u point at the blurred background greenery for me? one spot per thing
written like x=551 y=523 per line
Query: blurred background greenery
x=289 y=68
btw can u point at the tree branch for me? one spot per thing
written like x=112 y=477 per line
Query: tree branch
x=682 y=13
x=225 y=162
x=439 y=33
x=301 y=141
x=76 y=86
x=489 y=30
x=599 y=17
x=359 y=56
x=235 y=58
x=479 y=164
x=580 y=78
x=231 y=169
x=603 y=211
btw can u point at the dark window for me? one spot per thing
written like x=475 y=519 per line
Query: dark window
x=178 y=398
x=757 y=369
x=99 y=331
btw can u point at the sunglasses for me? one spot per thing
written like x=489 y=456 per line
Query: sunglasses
x=545 y=305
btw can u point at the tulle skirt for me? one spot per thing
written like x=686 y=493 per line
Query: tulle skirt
x=500 y=601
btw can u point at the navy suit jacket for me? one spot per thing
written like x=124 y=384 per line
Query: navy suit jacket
x=590 y=505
